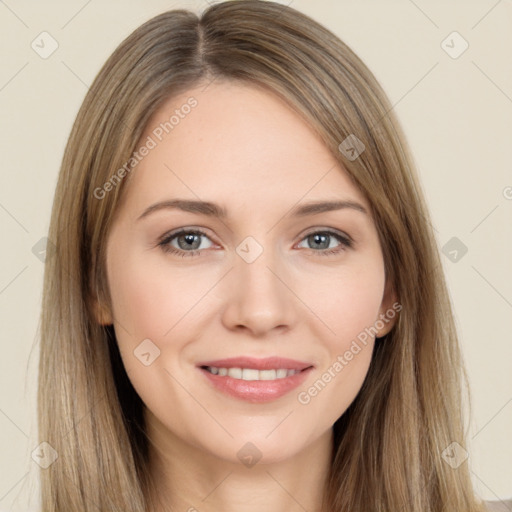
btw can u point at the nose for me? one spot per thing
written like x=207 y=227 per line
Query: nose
x=259 y=299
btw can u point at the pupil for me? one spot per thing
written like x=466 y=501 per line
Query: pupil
x=321 y=239
x=189 y=240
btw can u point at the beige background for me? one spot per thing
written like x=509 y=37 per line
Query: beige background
x=457 y=114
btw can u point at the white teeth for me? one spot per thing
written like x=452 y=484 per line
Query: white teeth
x=236 y=373
x=251 y=373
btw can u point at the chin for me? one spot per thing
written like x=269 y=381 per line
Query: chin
x=257 y=446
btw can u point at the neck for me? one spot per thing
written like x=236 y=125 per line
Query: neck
x=188 y=479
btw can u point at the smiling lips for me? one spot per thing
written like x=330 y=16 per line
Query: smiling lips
x=255 y=380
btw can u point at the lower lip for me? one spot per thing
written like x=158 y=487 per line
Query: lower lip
x=257 y=391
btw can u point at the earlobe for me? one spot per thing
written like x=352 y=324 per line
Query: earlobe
x=386 y=323
x=388 y=312
x=101 y=313
x=103 y=316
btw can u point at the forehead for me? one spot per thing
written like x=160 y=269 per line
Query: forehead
x=230 y=141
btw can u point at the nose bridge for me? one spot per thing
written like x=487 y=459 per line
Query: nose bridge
x=257 y=296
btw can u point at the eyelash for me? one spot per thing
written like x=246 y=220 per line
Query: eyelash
x=345 y=242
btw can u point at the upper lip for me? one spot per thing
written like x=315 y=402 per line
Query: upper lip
x=267 y=363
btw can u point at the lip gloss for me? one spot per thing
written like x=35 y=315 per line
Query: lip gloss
x=256 y=391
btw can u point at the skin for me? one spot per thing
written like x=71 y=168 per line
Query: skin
x=245 y=149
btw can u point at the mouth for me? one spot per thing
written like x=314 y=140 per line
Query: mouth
x=251 y=373
x=255 y=380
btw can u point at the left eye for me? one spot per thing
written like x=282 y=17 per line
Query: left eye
x=322 y=240
x=189 y=242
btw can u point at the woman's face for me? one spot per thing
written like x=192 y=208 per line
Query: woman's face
x=214 y=313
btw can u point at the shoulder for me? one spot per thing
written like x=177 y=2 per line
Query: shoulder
x=499 y=506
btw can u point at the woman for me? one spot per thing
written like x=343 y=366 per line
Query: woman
x=302 y=355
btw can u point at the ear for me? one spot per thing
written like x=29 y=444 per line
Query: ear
x=388 y=312
x=101 y=312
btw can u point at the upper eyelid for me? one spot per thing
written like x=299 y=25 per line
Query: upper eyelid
x=174 y=233
x=203 y=232
x=328 y=230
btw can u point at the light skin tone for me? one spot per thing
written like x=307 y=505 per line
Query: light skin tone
x=247 y=151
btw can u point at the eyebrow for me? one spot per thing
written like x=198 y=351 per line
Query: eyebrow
x=214 y=210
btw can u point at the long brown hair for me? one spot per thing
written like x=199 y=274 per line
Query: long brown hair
x=388 y=445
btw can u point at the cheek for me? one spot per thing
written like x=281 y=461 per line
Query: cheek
x=347 y=301
x=350 y=307
x=335 y=387
x=150 y=308
x=152 y=302
x=339 y=378
x=149 y=300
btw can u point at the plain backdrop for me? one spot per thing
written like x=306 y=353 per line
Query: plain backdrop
x=456 y=110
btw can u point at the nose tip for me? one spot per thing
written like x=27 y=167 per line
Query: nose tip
x=257 y=299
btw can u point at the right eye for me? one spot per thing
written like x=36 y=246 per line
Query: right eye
x=185 y=239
